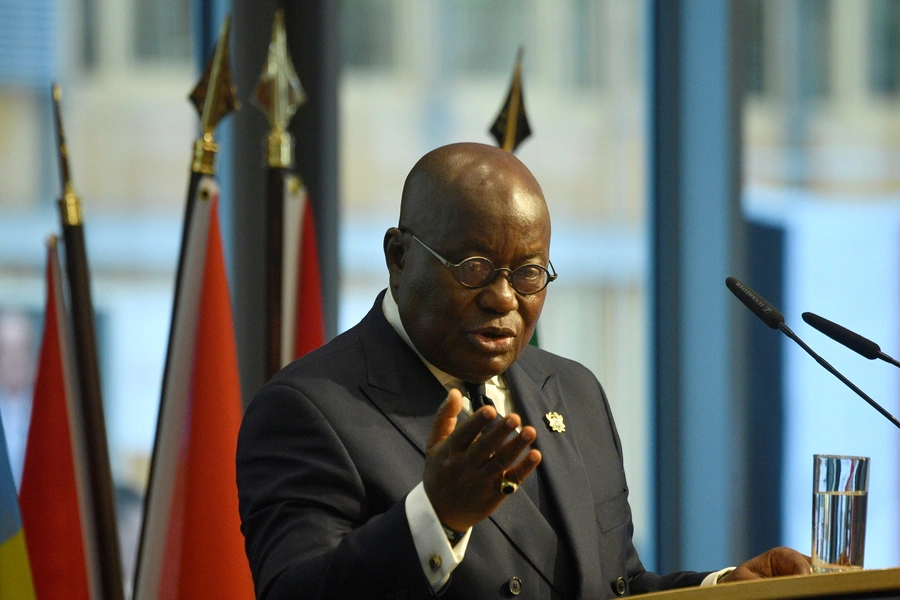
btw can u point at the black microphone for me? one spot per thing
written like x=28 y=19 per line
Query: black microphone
x=762 y=309
x=774 y=319
x=844 y=336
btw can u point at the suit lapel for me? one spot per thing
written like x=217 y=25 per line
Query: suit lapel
x=536 y=393
x=399 y=383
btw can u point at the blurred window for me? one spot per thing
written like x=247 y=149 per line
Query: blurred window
x=492 y=29
x=815 y=50
x=162 y=30
x=367 y=28
x=28 y=43
x=884 y=46
x=754 y=56
x=586 y=26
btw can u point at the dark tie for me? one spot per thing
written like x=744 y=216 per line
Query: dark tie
x=477 y=395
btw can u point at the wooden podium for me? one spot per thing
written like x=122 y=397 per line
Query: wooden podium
x=857 y=585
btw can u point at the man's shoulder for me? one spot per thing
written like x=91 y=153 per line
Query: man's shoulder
x=534 y=357
x=324 y=374
x=342 y=351
x=348 y=357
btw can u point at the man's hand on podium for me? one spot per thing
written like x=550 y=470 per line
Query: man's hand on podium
x=774 y=563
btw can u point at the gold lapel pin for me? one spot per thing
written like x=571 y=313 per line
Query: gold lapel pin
x=555 y=422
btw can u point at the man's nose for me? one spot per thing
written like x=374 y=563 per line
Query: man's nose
x=499 y=295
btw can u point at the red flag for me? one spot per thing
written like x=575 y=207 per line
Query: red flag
x=302 y=319
x=54 y=485
x=192 y=546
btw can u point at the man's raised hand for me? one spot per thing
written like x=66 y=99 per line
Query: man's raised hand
x=464 y=465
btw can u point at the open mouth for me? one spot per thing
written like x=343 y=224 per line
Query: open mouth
x=493 y=339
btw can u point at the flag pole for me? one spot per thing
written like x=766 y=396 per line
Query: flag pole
x=88 y=381
x=214 y=97
x=278 y=95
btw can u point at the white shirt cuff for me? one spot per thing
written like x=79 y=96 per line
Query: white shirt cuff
x=437 y=557
x=713 y=578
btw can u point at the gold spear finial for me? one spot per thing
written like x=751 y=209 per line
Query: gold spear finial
x=278 y=94
x=69 y=203
x=214 y=98
x=511 y=126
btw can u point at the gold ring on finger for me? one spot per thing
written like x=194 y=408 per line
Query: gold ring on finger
x=507 y=487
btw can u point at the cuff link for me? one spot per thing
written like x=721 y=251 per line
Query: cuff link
x=434 y=562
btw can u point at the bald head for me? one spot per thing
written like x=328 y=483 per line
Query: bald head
x=449 y=181
x=459 y=202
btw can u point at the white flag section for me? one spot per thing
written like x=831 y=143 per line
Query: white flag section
x=302 y=318
x=292 y=223
x=191 y=544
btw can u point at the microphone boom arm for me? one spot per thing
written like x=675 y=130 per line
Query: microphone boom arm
x=888 y=359
x=787 y=331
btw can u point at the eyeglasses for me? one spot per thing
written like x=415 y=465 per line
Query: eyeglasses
x=477 y=271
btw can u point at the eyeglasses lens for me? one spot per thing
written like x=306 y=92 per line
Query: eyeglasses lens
x=528 y=279
x=476 y=272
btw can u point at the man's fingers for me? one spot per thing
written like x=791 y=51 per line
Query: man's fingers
x=501 y=456
x=494 y=437
x=490 y=441
x=773 y=563
x=471 y=428
x=789 y=562
x=741 y=573
x=445 y=419
x=524 y=467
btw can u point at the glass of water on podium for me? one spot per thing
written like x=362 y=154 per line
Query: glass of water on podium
x=840 y=497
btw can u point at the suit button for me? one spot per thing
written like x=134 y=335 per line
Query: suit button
x=619 y=586
x=515 y=586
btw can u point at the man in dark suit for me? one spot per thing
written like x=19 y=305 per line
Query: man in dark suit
x=430 y=450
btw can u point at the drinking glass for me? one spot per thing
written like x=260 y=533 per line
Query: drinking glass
x=840 y=494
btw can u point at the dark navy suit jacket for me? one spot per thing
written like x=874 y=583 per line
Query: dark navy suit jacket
x=331 y=446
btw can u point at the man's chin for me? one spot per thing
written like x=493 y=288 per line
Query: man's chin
x=483 y=369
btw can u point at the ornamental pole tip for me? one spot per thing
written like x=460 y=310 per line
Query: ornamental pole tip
x=278 y=94
x=511 y=126
x=214 y=97
x=69 y=203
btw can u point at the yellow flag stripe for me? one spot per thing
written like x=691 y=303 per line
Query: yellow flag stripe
x=15 y=572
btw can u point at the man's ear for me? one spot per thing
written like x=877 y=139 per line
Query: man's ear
x=394 y=255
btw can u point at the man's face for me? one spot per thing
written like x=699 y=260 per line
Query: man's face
x=473 y=334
